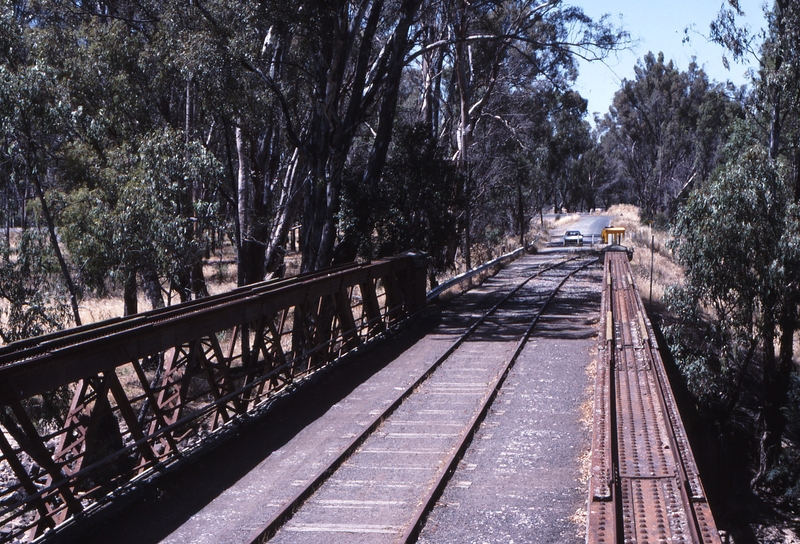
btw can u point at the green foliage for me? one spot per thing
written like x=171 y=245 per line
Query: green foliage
x=733 y=237
x=143 y=213
x=737 y=238
x=569 y=139
x=415 y=206
x=665 y=128
x=784 y=478
x=33 y=300
x=734 y=241
x=694 y=347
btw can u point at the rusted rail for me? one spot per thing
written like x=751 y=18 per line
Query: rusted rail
x=86 y=411
x=645 y=486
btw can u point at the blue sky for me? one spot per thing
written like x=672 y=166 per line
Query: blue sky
x=659 y=25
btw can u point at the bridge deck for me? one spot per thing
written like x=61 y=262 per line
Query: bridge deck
x=490 y=418
x=521 y=476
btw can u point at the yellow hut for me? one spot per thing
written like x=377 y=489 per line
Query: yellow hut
x=613 y=235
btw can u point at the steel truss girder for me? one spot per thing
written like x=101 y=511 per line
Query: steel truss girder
x=147 y=388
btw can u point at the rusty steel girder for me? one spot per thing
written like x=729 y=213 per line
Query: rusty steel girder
x=645 y=485
x=147 y=389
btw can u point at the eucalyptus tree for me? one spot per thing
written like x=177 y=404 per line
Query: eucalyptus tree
x=415 y=205
x=348 y=58
x=777 y=51
x=32 y=121
x=664 y=128
x=772 y=124
x=133 y=224
x=505 y=47
x=596 y=185
x=32 y=290
x=570 y=139
x=251 y=110
x=134 y=77
x=35 y=296
x=526 y=151
x=737 y=239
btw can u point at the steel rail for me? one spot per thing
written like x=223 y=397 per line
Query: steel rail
x=412 y=532
x=289 y=507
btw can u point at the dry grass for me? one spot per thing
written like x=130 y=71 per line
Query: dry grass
x=94 y=308
x=219 y=271
x=565 y=220
x=540 y=233
x=666 y=272
x=541 y=229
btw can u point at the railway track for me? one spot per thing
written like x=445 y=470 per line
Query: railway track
x=380 y=480
x=384 y=485
x=645 y=485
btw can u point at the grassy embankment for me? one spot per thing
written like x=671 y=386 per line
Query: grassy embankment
x=642 y=238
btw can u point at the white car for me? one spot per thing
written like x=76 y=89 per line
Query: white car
x=573 y=238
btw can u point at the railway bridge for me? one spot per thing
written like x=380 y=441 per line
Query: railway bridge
x=349 y=405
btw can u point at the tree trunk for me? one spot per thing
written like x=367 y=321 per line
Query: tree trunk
x=386 y=115
x=8 y=219
x=520 y=216
x=130 y=299
x=330 y=141
x=51 y=229
x=775 y=126
x=797 y=175
x=288 y=205
x=151 y=285
x=467 y=223
x=432 y=63
x=775 y=93
x=199 y=287
x=250 y=255
x=461 y=65
x=772 y=416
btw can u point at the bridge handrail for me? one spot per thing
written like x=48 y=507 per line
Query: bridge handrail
x=433 y=294
x=146 y=388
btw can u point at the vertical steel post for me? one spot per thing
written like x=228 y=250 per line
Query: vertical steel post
x=652 y=261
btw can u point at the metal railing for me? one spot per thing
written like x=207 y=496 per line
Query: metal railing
x=467 y=277
x=88 y=410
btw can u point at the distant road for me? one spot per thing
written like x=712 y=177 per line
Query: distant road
x=589 y=225
x=592 y=225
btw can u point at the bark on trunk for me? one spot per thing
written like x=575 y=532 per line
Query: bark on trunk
x=130 y=299
x=251 y=252
x=290 y=202
x=772 y=418
x=386 y=116
x=521 y=216
x=151 y=285
x=330 y=141
x=51 y=229
x=199 y=287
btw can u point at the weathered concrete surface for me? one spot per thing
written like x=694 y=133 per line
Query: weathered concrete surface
x=523 y=477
